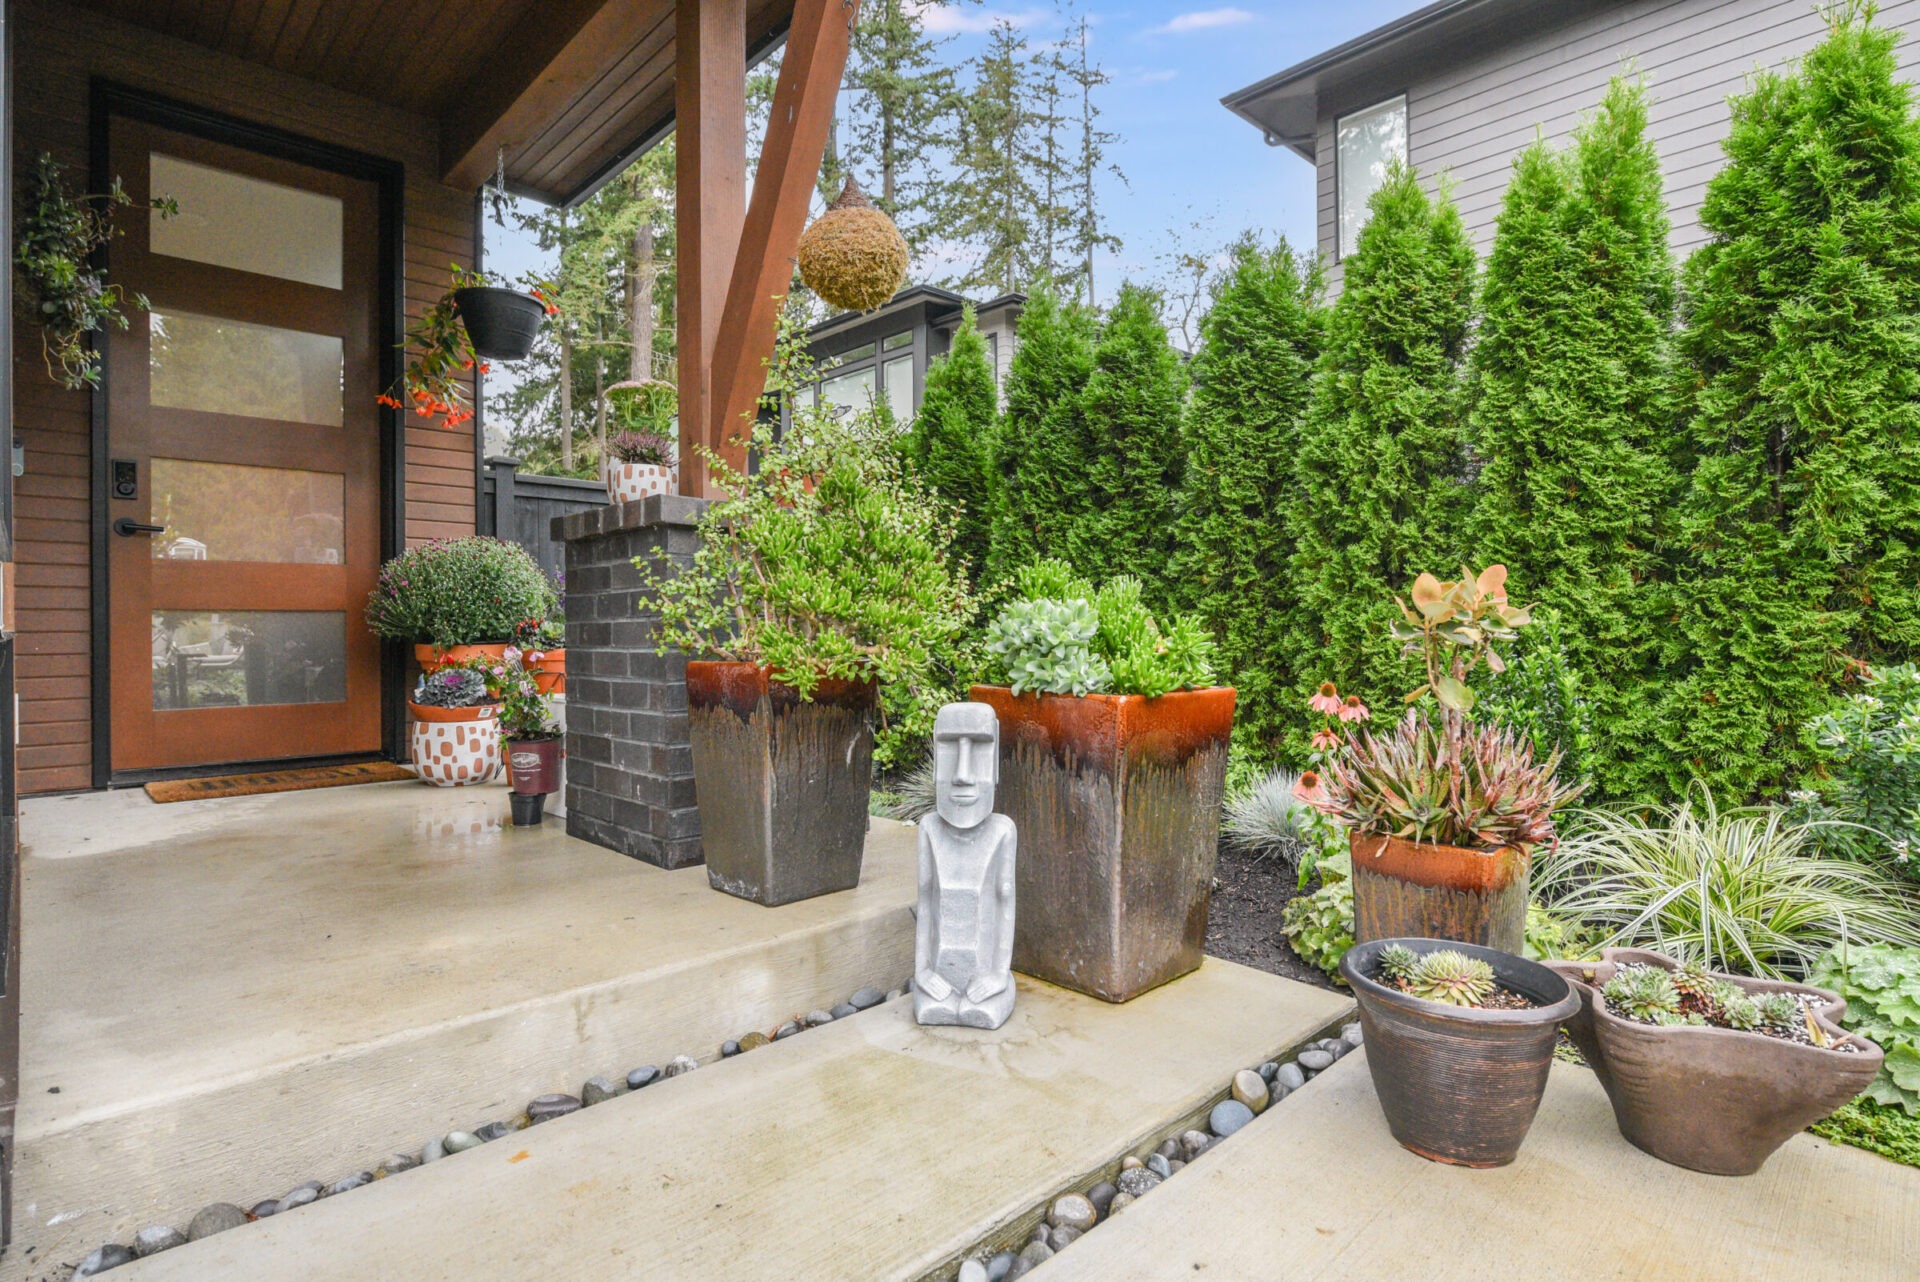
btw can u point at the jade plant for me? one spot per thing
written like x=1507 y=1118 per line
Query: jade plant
x=1060 y=636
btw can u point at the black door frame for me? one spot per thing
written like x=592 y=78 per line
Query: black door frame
x=107 y=100
x=9 y=794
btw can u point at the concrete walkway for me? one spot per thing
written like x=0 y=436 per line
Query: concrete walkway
x=231 y=997
x=868 y=1149
x=1317 y=1189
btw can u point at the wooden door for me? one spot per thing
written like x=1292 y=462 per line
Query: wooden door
x=243 y=477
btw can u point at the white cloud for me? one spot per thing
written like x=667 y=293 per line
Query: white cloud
x=1202 y=20
x=946 y=19
x=1157 y=77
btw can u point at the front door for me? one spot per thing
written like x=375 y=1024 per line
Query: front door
x=243 y=478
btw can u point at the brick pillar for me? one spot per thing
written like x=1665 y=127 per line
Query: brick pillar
x=629 y=768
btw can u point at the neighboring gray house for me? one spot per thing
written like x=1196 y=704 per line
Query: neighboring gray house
x=1461 y=86
x=863 y=355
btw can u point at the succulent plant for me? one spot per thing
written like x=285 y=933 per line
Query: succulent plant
x=1673 y=1019
x=1642 y=992
x=1693 y=979
x=1397 y=963
x=1451 y=977
x=1741 y=1012
x=1779 y=1010
x=1724 y=994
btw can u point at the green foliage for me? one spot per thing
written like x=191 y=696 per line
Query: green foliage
x=471 y=591
x=1252 y=377
x=951 y=439
x=1452 y=978
x=1740 y=890
x=1046 y=646
x=1572 y=404
x=1062 y=637
x=643 y=405
x=1881 y=986
x=525 y=713
x=1642 y=992
x=1870 y=747
x=1041 y=453
x=1542 y=697
x=1381 y=460
x=1877 y=1128
x=1804 y=443
x=1319 y=927
x=1397 y=963
x=1551 y=936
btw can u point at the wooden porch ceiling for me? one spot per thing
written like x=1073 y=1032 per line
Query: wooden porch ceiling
x=569 y=88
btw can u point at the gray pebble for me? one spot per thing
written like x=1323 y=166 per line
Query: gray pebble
x=1316 y=1061
x=1228 y=1116
x=815 y=1018
x=217 y=1218
x=1169 y=1149
x=1251 y=1089
x=1194 y=1143
x=108 y=1256
x=393 y=1164
x=156 y=1238
x=1036 y=1253
x=1121 y=1201
x=1101 y=1195
x=896 y=994
x=1276 y=1094
x=787 y=1029
x=261 y=1210
x=1290 y=1077
x=1267 y=1070
x=1175 y=1167
x=1157 y=1163
x=1039 y=1233
x=544 y=1108
x=680 y=1064
x=642 y=1077
x=348 y=1183
x=972 y=1271
x=1020 y=1268
x=1063 y=1237
x=1072 y=1211
x=492 y=1131
x=299 y=1197
x=844 y=1009
x=1352 y=1035
x=729 y=1049
x=598 y=1090
x=865 y=998
x=1137 y=1183
x=1338 y=1049
x=460 y=1141
x=997 y=1267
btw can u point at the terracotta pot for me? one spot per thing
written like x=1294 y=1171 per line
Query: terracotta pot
x=781 y=784
x=455 y=745
x=501 y=322
x=1459 y=1085
x=1117 y=802
x=1712 y=1099
x=631 y=482
x=1425 y=890
x=431 y=657
x=533 y=765
x=549 y=671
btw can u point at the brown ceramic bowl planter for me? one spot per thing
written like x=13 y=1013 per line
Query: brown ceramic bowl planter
x=1712 y=1099
x=1459 y=1085
x=782 y=784
x=1423 y=889
x=1117 y=802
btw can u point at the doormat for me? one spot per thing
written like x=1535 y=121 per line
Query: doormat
x=277 y=781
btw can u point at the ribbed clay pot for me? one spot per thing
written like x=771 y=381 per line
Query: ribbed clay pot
x=1422 y=889
x=1712 y=1099
x=1117 y=802
x=1459 y=1085
x=782 y=784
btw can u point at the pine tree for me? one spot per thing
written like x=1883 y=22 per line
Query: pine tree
x=1804 y=443
x=991 y=197
x=1380 y=463
x=1041 y=452
x=899 y=104
x=1090 y=158
x=1136 y=459
x=950 y=440
x=1252 y=378
x=1572 y=413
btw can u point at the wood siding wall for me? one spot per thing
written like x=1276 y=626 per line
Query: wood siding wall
x=58 y=52
x=1471 y=119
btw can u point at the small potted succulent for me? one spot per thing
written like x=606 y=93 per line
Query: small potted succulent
x=540 y=646
x=533 y=746
x=458 y=599
x=1443 y=813
x=1459 y=1043
x=821 y=577
x=456 y=723
x=639 y=463
x=1712 y=1071
x=1113 y=757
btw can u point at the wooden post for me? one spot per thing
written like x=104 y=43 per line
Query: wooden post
x=710 y=178
x=797 y=127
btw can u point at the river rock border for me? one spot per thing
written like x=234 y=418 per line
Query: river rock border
x=221 y=1216
x=1071 y=1216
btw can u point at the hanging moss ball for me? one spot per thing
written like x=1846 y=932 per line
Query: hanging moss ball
x=644 y=404
x=853 y=256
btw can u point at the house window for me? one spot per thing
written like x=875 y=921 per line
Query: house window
x=852 y=391
x=899 y=386
x=1366 y=143
x=898 y=341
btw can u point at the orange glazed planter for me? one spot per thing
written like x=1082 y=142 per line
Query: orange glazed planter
x=432 y=657
x=1117 y=802
x=1423 y=890
x=549 y=671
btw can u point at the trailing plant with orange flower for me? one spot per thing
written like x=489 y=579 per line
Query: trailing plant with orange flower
x=440 y=366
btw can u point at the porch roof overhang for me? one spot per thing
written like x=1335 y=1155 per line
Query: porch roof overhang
x=561 y=94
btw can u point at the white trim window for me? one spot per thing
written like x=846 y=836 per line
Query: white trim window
x=1366 y=143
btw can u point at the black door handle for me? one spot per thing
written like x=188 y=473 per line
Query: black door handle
x=127 y=527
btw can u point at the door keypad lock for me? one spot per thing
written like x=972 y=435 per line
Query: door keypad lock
x=125 y=479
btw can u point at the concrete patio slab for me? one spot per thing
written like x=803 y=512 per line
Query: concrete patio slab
x=1316 y=1189
x=231 y=997
x=870 y=1149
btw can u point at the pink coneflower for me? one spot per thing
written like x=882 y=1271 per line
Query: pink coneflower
x=1327 y=700
x=1354 y=710
x=1325 y=741
x=1310 y=789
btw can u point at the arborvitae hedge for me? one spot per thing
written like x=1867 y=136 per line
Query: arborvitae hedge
x=1381 y=468
x=1572 y=414
x=1135 y=452
x=951 y=441
x=1797 y=531
x=1252 y=377
x=1040 y=455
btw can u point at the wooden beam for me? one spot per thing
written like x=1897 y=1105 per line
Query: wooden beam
x=797 y=127
x=710 y=181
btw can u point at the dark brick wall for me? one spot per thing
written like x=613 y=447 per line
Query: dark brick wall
x=629 y=769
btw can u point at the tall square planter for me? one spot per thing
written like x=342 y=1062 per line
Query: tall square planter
x=781 y=784
x=1117 y=802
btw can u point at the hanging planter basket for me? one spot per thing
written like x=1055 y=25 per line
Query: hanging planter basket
x=501 y=322
x=853 y=256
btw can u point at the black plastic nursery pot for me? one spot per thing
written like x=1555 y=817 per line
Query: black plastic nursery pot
x=1459 y=1085
x=529 y=808
x=501 y=322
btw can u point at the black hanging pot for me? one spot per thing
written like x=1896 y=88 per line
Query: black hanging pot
x=501 y=322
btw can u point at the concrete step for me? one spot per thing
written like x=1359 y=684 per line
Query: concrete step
x=231 y=1002
x=870 y=1149
x=1316 y=1188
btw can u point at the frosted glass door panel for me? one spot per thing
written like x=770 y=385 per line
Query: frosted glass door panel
x=243 y=658
x=230 y=512
x=248 y=224
x=222 y=366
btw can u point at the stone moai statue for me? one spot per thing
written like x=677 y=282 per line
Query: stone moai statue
x=963 y=941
